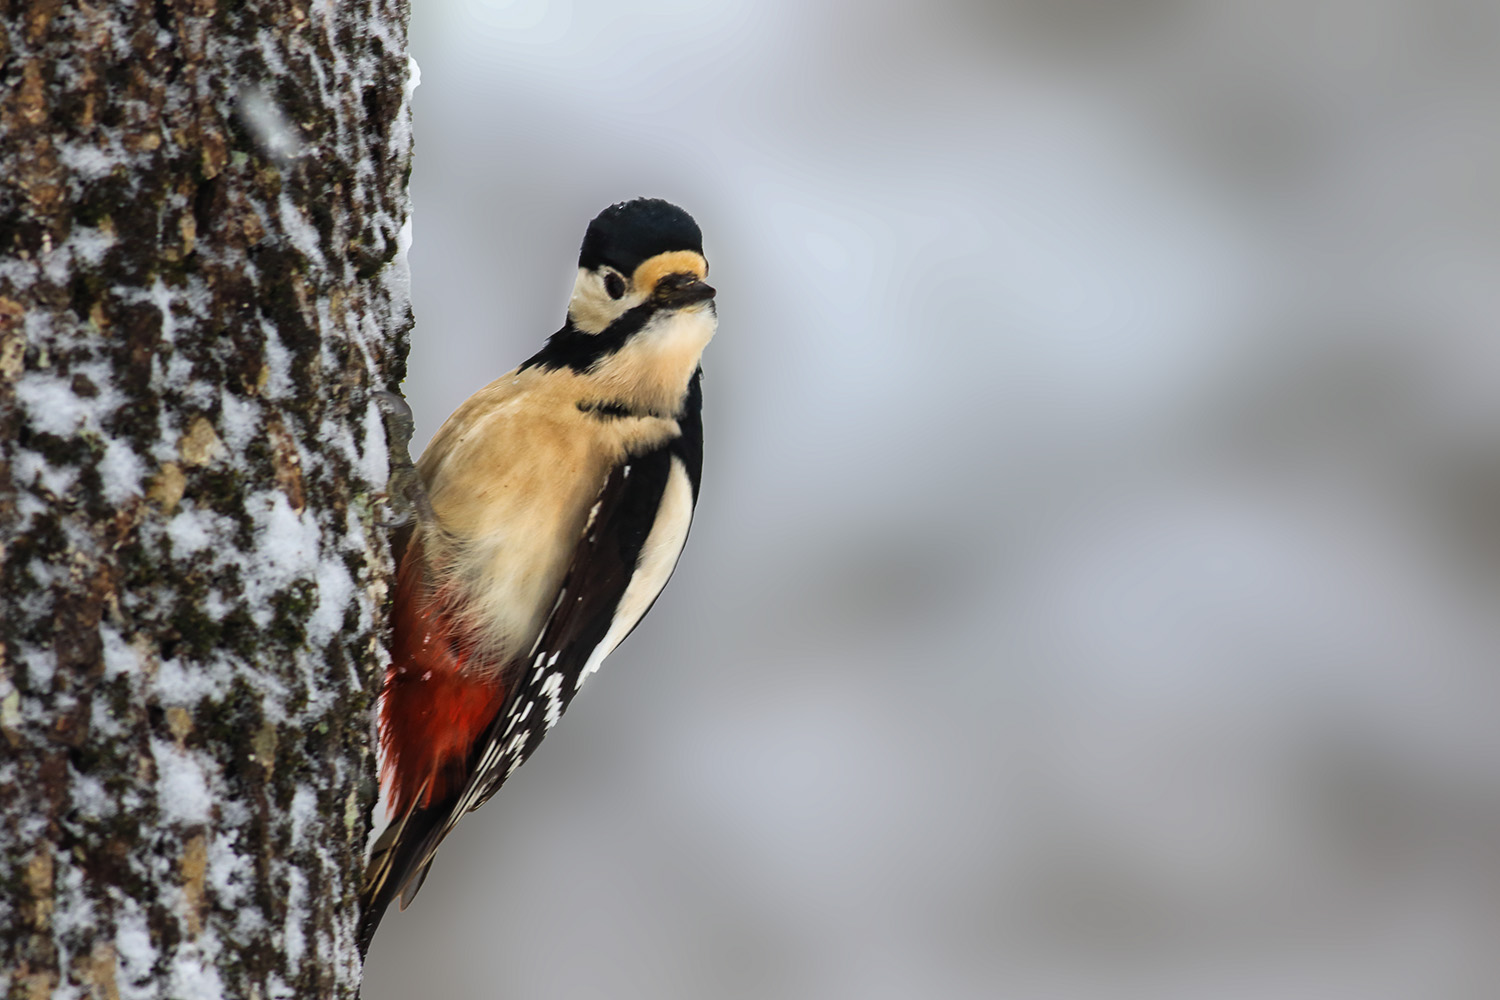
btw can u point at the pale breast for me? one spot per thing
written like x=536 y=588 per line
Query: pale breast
x=512 y=475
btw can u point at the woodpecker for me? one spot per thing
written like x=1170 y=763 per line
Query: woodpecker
x=546 y=516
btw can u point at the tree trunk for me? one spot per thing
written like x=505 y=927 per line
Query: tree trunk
x=202 y=280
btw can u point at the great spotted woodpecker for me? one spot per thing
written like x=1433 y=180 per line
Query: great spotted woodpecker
x=550 y=510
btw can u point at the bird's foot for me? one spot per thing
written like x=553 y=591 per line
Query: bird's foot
x=405 y=493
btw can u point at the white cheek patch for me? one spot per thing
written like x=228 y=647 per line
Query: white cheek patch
x=591 y=308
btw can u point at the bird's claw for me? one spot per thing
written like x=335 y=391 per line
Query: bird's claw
x=405 y=493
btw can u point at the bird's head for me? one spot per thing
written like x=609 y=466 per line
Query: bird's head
x=640 y=257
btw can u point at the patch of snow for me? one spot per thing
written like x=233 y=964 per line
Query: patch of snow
x=269 y=46
x=249 y=921
x=375 y=464
x=177 y=373
x=34 y=603
x=89 y=244
x=397 y=274
x=87 y=161
x=40 y=664
x=192 y=530
x=277 y=139
x=194 y=975
x=185 y=684
x=301 y=233
x=74 y=913
x=90 y=798
x=239 y=421
x=51 y=404
x=337 y=437
x=278 y=365
x=294 y=940
x=120 y=657
x=216 y=605
x=413 y=77
x=182 y=792
x=137 y=955
x=233 y=812
x=57 y=263
x=31 y=827
x=163 y=448
x=303 y=814
x=286 y=550
x=39 y=326
x=121 y=471
x=335 y=590
x=47 y=573
x=32 y=467
x=160 y=296
x=104 y=722
x=230 y=872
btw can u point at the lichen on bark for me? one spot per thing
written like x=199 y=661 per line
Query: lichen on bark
x=202 y=222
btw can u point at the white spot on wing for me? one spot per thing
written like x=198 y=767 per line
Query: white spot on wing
x=552 y=689
x=513 y=750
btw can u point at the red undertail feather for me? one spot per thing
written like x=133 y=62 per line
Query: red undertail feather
x=432 y=712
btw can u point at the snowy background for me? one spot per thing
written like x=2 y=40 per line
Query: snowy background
x=1093 y=593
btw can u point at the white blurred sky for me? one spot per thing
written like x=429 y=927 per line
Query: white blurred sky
x=1092 y=590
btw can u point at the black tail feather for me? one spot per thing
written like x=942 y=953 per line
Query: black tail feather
x=397 y=866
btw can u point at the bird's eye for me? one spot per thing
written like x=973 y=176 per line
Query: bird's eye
x=614 y=285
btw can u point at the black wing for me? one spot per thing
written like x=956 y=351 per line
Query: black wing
x=542 y=686
x=602 y=566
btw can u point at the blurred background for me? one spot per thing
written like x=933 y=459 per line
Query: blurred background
x=1093 y=592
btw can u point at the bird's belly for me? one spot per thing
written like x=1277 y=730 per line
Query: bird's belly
x=511 y=482
x=518 y=537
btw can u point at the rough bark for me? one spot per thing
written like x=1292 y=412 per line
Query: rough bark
x=202 y=209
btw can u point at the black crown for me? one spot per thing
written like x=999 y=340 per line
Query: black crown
x=626 y=234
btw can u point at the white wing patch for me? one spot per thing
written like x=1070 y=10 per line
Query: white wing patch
x=657 y=560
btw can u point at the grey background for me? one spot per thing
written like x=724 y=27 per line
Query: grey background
x=1093 y=589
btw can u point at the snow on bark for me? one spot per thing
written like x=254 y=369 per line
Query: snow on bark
x=203 y=220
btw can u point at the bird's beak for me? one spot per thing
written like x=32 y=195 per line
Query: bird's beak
x=682 y=289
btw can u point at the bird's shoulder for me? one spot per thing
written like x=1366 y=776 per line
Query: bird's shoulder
x=541 y=419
